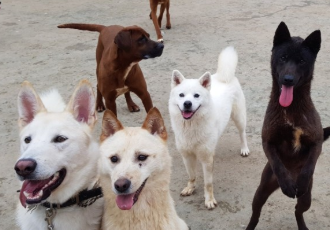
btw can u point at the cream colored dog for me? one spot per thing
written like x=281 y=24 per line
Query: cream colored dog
x=136 y=176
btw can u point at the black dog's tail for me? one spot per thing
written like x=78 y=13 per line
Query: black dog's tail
x=326 y=133
x=78 y=26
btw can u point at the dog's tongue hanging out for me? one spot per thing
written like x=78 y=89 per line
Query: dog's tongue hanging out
x=125 y=202
x=286 y=96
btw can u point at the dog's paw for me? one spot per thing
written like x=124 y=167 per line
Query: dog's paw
x=168 y=26
x=100 y=108
x=133 y=108
x=288 y=188
x=245 y=152
x=187 y=191
x=211 y=204
x=161 y=40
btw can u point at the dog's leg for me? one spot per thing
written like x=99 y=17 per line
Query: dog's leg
x=189 y=161
x=144 y=96
x=111 y=104
x=268 y=185
x=99 y=101
x=207 y=164
x=168 y=20
x=239 y=116
x=303 y=204
x=155 y=21
x=132 y=107
x=160 y=17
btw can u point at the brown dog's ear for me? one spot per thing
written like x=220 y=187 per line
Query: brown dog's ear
x=110 y=125
x=82 y=103
x=154 y=123
x=124 y=40
x=29 y=104
x=177 y=78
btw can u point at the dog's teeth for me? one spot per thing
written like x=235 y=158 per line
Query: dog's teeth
x=40 y=193
x=26 y=194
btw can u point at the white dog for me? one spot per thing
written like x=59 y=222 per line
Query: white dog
x=59 y=161
x=200 y=110
x=136 y=179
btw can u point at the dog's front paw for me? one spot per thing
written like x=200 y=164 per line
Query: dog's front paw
x=161 y=40
x=187 y=191
x=211 y=204
x=100 y=108
x=288 y=187
x=245 y=151
x=168 y=26
x=133 y=108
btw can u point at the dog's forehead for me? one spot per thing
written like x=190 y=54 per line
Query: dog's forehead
x=136 y=30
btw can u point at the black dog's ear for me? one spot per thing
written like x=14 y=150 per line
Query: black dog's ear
x=282 y=34
x=313 y=41
x=124 y=40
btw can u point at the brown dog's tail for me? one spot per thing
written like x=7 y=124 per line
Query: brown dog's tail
x=326 y=133
x=78 y=26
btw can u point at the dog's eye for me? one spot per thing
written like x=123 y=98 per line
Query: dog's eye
x=59 y=139
x=181 y=95
x=196 y=95
x=142 y=157
x=114 y=159
x=27 y=140
x=302 y=61
x=143 y=39
x=284 y=58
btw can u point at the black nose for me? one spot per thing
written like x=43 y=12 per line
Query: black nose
x=288 y=79
x=122 y=185
x=160 y=45
x=187 y=104
x=25 y=167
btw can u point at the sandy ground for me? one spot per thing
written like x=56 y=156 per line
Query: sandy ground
x=33 y=48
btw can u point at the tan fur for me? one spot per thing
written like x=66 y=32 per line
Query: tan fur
x=154 y=208
x=297 y=134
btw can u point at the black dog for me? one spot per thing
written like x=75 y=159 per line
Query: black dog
x=292 y=134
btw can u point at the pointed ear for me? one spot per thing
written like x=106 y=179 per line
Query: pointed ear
x=123 y=40
x=313 y=41
x=110 y=125
x=177 y=78
x=282 y=34
x=154 y=123
x=29 y=104
x=205 y=80
x=82 y=103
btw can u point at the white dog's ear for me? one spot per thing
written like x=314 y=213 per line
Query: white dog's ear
x=110 y=125
x=205 y=80
x=177 y=78
x=29 y=104
x=154 y=123
x=82 y=103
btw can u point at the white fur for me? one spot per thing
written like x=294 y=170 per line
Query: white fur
x=155 y=207
x=220 y=98
x=78 y=154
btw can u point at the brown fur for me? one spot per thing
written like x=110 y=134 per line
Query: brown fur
x=118 y=52
x=153 y=15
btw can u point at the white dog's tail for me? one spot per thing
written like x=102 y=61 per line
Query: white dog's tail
x=53 y=101
x=227 y=64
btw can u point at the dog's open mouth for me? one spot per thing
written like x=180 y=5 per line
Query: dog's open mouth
x=35 y=191
x=286 y=96
x=187 y=114
x=126 y=202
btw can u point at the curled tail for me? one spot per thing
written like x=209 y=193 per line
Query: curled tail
x=227 y=64
x=53 y=101
x=78 y=26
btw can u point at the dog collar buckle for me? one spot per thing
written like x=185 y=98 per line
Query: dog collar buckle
x=50 y=214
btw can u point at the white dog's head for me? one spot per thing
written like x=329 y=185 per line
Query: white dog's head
x=189 y=96
x=135 y=159
x=56 y=144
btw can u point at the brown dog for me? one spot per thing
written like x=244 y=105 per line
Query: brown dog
x=158 y=22
x=118 y=52
x=292 y=134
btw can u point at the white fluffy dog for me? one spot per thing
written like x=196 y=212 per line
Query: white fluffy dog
x=59 y=161
x=200 y=110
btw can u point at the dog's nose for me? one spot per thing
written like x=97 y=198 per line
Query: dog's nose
x=25 y=167
x=187 y=104
x=160 y=45
x=122 y=185
x=288 y=79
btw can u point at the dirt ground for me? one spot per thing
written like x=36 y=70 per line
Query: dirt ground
x=33 y=48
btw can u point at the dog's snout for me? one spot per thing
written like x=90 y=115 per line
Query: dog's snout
x=122 y=185
x=187 y=104
x=288 y=79
x=25 y=167
x=160 y=45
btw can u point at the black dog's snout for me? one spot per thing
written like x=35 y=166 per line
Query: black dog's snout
x=187 y=104
x=160 y=45
x=288 y=79
x=25 y=167
x=122 y=185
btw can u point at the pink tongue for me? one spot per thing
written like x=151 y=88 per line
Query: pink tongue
x=286 y=96
x=31 y=186
x=187 y=114
x=125 y=202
